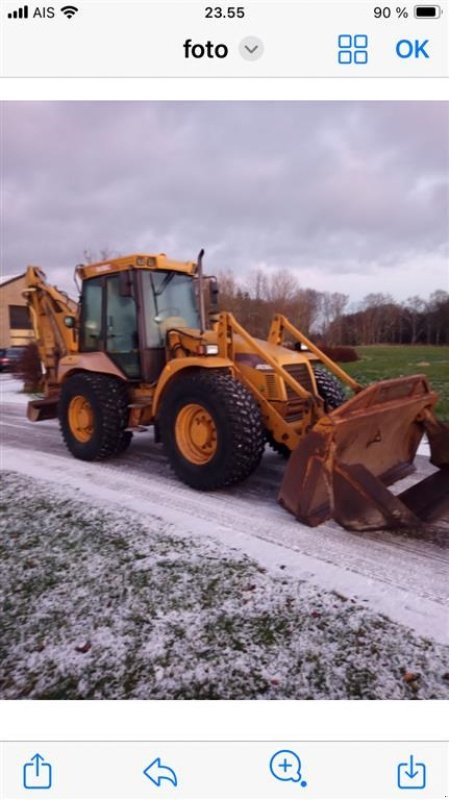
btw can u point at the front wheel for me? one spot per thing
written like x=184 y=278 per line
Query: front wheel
x=211 y=429
x=93 y=415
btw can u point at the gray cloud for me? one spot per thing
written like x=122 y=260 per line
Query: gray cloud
x=327 y=189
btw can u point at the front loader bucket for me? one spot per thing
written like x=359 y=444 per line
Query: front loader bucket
x=342 y=467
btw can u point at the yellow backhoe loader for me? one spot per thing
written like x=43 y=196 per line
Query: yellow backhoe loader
x=146 y=346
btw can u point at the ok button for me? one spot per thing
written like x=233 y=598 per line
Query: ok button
x=412 y=48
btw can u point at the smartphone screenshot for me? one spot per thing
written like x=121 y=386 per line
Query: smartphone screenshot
x=224 y=375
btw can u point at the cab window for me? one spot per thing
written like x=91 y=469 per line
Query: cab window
x=91 y=326
x=122 y=341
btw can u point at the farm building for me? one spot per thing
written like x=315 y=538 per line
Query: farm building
x=15 y=325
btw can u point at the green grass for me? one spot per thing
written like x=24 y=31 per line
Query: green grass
x=378 y=362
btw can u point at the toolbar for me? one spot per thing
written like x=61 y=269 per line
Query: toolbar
x=225 y=770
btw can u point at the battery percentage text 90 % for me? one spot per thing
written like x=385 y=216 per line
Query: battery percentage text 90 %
x=385 y=12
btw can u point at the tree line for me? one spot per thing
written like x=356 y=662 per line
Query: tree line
x=377 y=319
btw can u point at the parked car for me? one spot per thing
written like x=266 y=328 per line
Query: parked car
x=9 y=357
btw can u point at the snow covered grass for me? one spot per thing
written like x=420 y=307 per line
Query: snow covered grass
x=100 y=604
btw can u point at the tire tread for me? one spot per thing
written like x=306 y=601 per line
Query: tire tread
x=111 y=397
x=245 y=433
x=329 y=388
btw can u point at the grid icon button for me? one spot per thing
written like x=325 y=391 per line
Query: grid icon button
x=353 y=49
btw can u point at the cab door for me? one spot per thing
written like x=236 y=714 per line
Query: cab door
x=109 y=323
x=122 y=338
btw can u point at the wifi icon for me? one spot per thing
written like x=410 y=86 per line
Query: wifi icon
x=69 y=11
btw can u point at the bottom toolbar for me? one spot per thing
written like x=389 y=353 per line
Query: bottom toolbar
x=224 y=770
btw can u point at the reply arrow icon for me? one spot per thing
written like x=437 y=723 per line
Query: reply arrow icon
x=158 y=772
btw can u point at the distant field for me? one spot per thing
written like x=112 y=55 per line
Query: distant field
x=378 y=362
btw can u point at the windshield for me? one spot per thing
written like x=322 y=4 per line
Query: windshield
x=170 y=302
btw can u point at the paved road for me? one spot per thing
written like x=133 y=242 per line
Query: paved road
x=404 y=576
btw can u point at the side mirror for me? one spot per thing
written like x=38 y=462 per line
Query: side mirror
x=213 y=294
x=69 y=322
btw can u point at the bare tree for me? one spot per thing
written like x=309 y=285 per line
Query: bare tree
x=257 y=284
x=307 y=311
x=438 y=311
x=104 y=254
x=414 y=311
x=332 y=307
x=373 y=320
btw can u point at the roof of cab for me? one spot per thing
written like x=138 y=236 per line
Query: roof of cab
x=135 y=261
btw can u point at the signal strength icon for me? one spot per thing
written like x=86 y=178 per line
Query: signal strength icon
x=69 y=11
x=20 y=13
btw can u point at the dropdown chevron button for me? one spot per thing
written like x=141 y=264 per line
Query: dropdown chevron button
x=251 y=48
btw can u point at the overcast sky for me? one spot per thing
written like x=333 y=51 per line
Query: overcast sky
x=352 y=197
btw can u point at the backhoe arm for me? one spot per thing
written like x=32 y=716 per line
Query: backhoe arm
x=48 y=308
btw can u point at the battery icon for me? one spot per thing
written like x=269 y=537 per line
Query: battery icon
x=427 y=12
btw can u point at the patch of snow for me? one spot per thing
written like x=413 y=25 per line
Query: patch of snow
x=424 y=447
x=406 y=580
x=11 y=391
x=112 y=604
x=6 y=278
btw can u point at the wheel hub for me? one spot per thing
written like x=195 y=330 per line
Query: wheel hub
x=196 y=434
x=81 y=418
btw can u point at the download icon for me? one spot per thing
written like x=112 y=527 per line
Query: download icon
x=411 y=774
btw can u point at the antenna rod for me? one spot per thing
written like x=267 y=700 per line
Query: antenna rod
x=202 y=307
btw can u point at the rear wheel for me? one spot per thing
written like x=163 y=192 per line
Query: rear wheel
x=211 y=429
x=329 y=388
x=93 y=415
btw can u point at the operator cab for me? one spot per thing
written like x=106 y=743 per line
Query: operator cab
x=127 y=315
